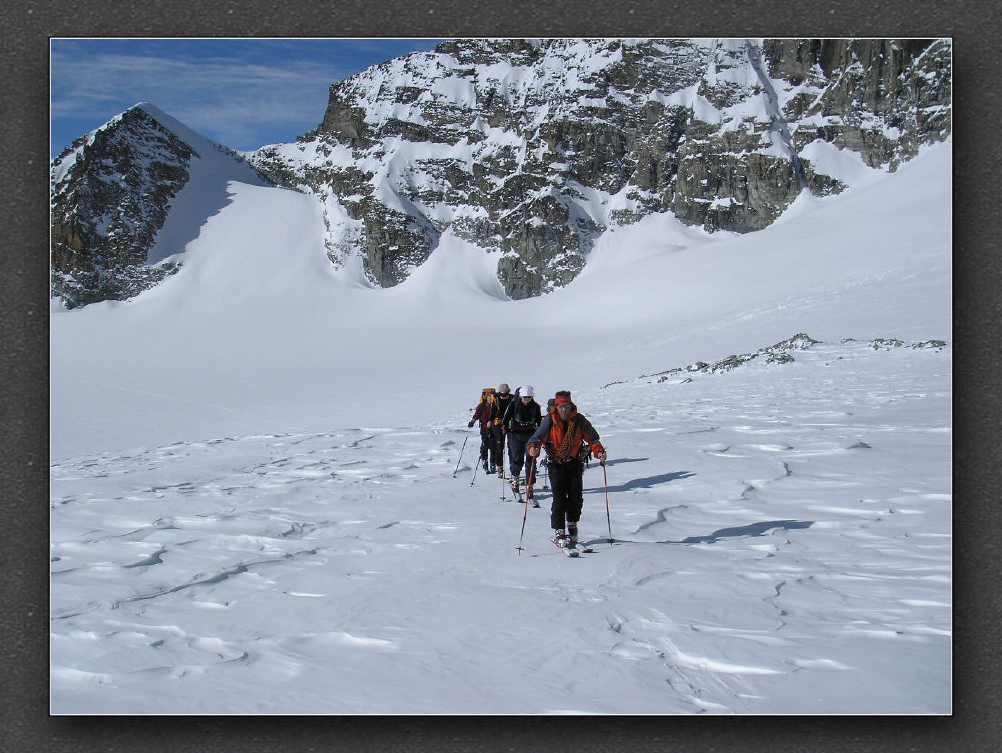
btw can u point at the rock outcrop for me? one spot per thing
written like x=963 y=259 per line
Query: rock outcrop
x=534 y=148
x=111 y=194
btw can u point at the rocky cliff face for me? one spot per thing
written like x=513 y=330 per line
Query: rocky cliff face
x=111 y=194
x=111 y=191
x=880 y=98
x=528 y=148
x=534 y=148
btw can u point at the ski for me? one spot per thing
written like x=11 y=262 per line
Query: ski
x=570 y=551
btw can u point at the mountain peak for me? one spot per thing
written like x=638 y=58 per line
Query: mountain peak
x=128 y=197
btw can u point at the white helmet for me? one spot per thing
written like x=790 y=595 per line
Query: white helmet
x=526 y=390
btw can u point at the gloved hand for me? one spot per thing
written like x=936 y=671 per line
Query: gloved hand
x=469 y=425
x=533 y=449
x=598 y=452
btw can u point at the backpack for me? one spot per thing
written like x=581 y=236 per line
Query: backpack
x=523 y=417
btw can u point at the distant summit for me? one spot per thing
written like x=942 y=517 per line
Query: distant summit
x=116 y=189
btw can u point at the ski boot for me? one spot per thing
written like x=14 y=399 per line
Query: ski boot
x=563 y=542
x=572 y=535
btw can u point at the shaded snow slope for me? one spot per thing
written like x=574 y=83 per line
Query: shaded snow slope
x=258 y=333
x=211 y=171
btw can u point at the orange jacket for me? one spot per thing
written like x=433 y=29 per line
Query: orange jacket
x=564 y=440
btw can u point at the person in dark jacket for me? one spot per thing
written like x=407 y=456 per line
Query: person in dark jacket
x=566 y=434
x=485 y=413
x=504 y=398
x=521 y=419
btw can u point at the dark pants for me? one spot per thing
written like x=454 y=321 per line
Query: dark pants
x=566 y=481
x=516 y=453
x=485 y=444
x=497 y=447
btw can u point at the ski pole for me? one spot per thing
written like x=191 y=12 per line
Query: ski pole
x=460 y=457
x=530 y=478
x=475 y=474
x=525 y=513
x=501 y=479
x=608 y=519
x=501 y=452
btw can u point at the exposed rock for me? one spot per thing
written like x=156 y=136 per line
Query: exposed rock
x=731 y=362
x=111 y=195
x=777 y=354
x=879 y=97
x=111 y=192
x=525 y=143
x=774 y=354
x=800 y=341
x=885 y=343
x=778 y=358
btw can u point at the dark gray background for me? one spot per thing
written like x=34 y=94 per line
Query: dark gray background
x=25 y=725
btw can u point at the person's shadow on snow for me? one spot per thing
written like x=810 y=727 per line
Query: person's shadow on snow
x=752 y=529
x=643 y=483
x=617 y=461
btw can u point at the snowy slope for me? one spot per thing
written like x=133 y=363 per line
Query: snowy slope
x=783 y=547
x=258 y=333
x=212 y=170
x=253 y=509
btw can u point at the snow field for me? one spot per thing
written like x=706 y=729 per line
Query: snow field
x=253 y=509
x=763 y=563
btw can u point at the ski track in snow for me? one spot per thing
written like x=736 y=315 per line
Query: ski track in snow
x=783 y=545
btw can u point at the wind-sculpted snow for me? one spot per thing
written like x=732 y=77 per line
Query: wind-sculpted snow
x=782 y=545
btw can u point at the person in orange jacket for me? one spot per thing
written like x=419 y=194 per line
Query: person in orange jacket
x=567 y=435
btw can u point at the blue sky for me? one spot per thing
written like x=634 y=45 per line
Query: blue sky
x=241 y=92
